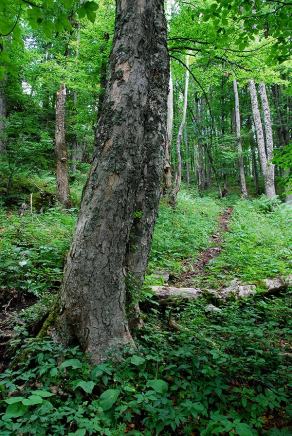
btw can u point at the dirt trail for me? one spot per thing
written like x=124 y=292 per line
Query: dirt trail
x=198 y=268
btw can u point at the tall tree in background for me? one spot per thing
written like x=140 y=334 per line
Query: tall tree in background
x=270 y=175
x=269 y=183
x=63 y=190
x=2 y=115
x=130 y=142
x=178 y=176
x=238 y=140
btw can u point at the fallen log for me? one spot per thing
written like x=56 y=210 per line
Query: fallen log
x=169 y=292
x=235 y=289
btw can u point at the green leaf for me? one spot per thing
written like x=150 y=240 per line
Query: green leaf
x=158 y=385
x=14 y=400
x=86 y=386
x=32 y=400
x=43 y=394
x=15 y=410
x=79 y=432
x=71 y=363
x=137 y=360
x=90 y=9
x=108 y=398
x=243 y=429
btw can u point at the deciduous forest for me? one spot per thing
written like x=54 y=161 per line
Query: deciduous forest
x=145 y=217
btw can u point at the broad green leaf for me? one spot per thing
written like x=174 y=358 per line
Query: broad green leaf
x=137 y=360
x=32 y=400
x=158 y=385
x=15 y=410
x=243 y=429
x=43 y=394
x=108 y=398
x=14 y=400
x=71 y=363
x=86 y=386
x=79 y=432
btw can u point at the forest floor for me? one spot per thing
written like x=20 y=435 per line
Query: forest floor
x=219 y=372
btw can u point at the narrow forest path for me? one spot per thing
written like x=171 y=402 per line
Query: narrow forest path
x=198 y=268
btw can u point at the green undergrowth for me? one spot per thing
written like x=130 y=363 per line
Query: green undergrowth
x=182 y=232
x=33 y=248
x=257 y=245
x=222 y=373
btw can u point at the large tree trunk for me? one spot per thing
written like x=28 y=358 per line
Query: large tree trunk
x=180 y=131
x=127 y=167
x=238 y=139
x=259 y=134
x=2 y=116
x=63 y=191
x=270 y=173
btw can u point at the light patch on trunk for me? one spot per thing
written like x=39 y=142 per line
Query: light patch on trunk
x=125 y=69
x=116 y=94
x=140 y=4
x=107 y=145
x=113 y=181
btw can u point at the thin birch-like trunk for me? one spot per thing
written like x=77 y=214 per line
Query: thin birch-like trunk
x=167 y=160
x=259 y=134
x=63 y=190
x=187 y=155
x=180 y=130
x=2 y=117
x=238 y=140
x=270 y=171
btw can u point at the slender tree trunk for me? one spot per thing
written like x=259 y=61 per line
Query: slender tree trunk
x=61 y=149
x=130 y=142
x=255 y=170
x=77 y=149
x=180 y=132
x=270 y=172
x=187 y=155
x=238 y=139
x=167 y=160
x=2 y=116
x=260 y=135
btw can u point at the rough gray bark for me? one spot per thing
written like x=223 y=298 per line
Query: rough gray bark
x=63 y=191
x=259 y=133
x=187 y=156
x=77 y=148
x=238 y=140
x=270 y=172
x=255 y=170
x=180 y=131
x=2 y=116
x=167 y=161
x=130 y=142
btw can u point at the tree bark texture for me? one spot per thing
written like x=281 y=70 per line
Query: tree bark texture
x=270 y=173
x=238 y=140
x=61 y=149
x=120 y=199
x=2 y=116
x=167 y=160
x=259 y=134
x=180 y=131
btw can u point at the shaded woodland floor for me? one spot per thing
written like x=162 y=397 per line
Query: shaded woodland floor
x=223 y=371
